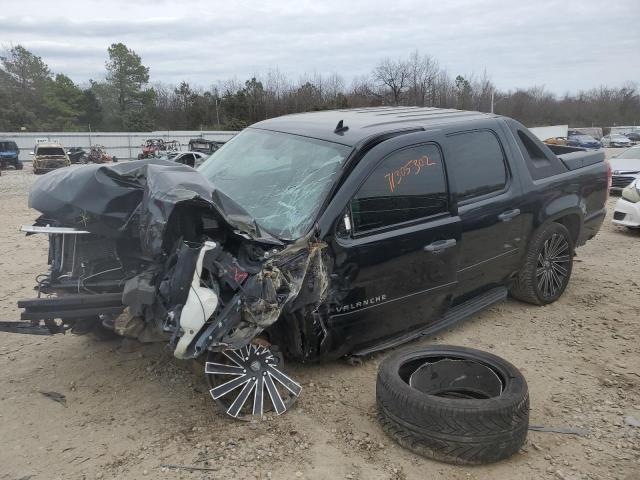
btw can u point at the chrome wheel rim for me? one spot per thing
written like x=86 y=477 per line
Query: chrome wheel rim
x=249 y=382
x=552 y=269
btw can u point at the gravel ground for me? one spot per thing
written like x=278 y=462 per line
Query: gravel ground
x=131 y=409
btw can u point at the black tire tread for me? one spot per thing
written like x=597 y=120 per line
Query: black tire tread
x=465 y=436
x=523 y=287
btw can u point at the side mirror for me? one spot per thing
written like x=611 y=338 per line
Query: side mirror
x=31 y=153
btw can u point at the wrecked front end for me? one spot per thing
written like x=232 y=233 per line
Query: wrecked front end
x=47 y=163
x=152 y=251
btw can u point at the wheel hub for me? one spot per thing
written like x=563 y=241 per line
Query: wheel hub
x=250 y=372
x=552 y=269
x=256 y=366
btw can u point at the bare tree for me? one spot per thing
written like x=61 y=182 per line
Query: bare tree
x=482 y=90
x=423 y=70
x=30 y=96
x=362 y=92
x=393 y=75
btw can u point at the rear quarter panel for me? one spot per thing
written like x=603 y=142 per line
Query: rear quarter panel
x=582 y=192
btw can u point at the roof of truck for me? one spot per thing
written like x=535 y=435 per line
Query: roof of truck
x=365 y=122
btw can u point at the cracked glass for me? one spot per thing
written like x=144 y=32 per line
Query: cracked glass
x=280 y=179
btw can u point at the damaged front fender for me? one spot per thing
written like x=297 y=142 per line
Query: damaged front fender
x=193 y=268
x=266 y=295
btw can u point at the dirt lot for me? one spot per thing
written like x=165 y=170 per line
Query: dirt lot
x=129 y=410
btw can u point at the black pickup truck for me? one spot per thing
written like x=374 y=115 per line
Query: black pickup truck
x=325 y=234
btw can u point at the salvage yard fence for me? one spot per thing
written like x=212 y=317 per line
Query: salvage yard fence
x=124 y=145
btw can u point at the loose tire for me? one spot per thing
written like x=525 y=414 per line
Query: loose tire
x=456 y=428
x=547 y=267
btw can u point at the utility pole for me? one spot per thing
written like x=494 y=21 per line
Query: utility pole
x=492 y=92
x=217 y=115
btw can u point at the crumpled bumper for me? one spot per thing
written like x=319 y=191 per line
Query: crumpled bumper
x=48 y=165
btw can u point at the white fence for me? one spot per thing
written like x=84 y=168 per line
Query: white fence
x=124 y=145
x=625 y=129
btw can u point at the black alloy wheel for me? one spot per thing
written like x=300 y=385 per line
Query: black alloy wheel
x=248 y=382
x=546 y=270
x=552 y=272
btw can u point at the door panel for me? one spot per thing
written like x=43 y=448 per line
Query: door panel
x=395 y=284
x=393 y=278
x=489 y=208
x=491 y=247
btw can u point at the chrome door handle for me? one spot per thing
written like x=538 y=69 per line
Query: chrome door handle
x=509 y=215
x=440 y=245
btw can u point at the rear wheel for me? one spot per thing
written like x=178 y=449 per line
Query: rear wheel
x=547 y=266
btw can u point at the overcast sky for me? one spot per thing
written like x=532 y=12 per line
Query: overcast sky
x=563 y=45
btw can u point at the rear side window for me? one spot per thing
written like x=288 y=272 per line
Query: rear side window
x=534 y=151
x=540 y=160
x=407 y=185
x=476 y=163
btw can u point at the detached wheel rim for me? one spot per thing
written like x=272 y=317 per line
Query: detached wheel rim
x=457 y=378
x=552 y=269
x=453 y=377
x=248 y=382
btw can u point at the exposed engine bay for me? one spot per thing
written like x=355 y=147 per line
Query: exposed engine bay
x=150 y=250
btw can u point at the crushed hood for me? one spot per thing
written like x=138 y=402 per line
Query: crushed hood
x=109 y=200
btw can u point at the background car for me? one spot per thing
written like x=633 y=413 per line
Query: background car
x=615 y=140
x=583 y=141
x=49 y=156
x=627 y=211
x=9 y=152
x=203 y=145
x=625 y=168
x=633 y=136
x=77 y=155
x=192 y=159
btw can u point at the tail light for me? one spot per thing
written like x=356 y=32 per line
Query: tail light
x=609 y=175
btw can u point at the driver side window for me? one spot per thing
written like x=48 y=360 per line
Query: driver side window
x=407 y=185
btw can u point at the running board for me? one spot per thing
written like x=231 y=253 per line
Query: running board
x=453 y=316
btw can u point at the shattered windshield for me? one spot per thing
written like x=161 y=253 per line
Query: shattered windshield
x=278 y=178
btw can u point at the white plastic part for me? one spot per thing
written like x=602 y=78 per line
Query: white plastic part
x=48 y=229
x=200 y=305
